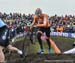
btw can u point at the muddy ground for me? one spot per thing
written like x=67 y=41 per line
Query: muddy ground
x=31 y=56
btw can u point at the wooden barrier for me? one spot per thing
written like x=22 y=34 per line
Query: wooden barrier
x=54 y=46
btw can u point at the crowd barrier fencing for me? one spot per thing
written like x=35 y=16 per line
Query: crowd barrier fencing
x=62 y=34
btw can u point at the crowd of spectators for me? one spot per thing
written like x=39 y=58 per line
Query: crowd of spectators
x=21 y=21
x=63 y=23
x=17 y=20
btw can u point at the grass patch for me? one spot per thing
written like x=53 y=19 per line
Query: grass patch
x=63 y=44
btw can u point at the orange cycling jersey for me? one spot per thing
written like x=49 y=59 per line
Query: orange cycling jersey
x=42 y=20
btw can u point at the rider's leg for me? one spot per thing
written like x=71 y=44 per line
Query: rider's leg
x=40 y=41
x=48 y=37
x=49 y=46
x=2 y=57
x=11 y=48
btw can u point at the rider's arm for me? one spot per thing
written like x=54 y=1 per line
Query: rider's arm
x=34 y=21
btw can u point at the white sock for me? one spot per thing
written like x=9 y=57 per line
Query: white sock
x=20 y=52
